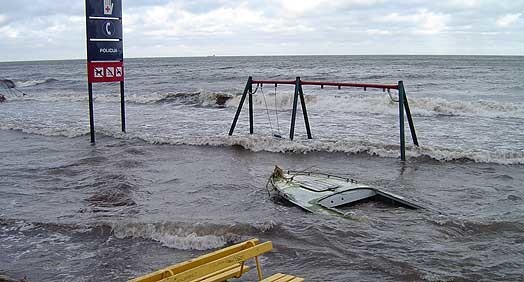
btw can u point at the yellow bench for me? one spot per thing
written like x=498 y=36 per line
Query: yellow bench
x=218 y=266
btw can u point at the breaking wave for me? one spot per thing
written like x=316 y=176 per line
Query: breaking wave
x=276 y=145
x=33 y=82
x=373 y=103
x=182 y=236
x=383 y=104
x=269 y=144
x=200 y=98
x=194 y=236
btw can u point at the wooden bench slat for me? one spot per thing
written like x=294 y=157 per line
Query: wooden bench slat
x=273 y=277
x=223 y=275
x=186 y=265
x=216 y=265
x=280 y=277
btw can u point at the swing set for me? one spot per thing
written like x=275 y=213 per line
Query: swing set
x=299 y=94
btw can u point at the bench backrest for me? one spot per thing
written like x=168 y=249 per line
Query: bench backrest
x=209 y=263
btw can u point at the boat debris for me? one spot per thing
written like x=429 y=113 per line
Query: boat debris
x=329 y=194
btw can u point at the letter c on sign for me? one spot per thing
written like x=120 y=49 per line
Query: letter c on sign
x=108 y=29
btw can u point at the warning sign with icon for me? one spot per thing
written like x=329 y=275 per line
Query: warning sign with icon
x=105 y=72
x=104 y=41
x=105 y=51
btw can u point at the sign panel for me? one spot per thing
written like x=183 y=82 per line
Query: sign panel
x=104 y=8
x=104 y=29
x=105 y=72
x=105 y=51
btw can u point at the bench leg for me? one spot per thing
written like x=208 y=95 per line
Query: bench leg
x=259 y=269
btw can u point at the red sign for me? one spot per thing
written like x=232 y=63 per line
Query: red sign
x=105 y=72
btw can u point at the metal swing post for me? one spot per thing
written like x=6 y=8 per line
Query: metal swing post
x=251 y=107
x=408 y=114
x=401 y=99
x=294 y=112
x=91 y=112
x=304 y=110
x=249 y=87
x=122 y=107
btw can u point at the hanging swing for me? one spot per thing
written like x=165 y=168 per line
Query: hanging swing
x=276 y=134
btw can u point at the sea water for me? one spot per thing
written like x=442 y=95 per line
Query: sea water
x=176 y=185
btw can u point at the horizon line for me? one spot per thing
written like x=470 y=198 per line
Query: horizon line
x=296 y=55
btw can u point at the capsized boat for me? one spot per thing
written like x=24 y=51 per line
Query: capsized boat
x=324 y=193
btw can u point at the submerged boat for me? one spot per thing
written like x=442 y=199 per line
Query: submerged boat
x=329 y=194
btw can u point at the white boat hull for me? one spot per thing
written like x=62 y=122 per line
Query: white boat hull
x=323 y=193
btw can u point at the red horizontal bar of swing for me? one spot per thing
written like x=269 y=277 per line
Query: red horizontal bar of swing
x=327 y=83
x=292 y=82
x=350 y=84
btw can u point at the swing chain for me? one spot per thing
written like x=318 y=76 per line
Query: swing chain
x=391 y=97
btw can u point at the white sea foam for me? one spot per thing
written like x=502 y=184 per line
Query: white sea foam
x=374 y=103
x=382 y=104
x=178 y=237
x=270 y=144
x=32 y=82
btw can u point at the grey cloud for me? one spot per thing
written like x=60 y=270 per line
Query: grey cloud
x=243 y=27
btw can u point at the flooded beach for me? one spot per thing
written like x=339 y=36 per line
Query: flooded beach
x=177 y=186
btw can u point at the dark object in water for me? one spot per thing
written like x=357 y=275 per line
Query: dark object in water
x=4 y=278
x=222 y=99
x=7 y=83
x=8 y=88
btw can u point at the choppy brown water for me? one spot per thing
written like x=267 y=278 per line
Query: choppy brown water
x=70 y=211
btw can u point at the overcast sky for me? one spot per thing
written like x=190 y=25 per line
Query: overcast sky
x=45 y=29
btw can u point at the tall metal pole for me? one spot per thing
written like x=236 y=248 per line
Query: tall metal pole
x=237 y=114
x=250 y=107
x=401 y=119
x=304 y=110
x=408 y=115
x=294 y=113
x=122 y=106
x=91 y=112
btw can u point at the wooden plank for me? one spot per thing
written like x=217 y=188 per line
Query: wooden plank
x=186 y=265
x=285 y=278
x=273 y=277
x=224 y=275
x=216 y=273
x=280 y=277
x=221 y=263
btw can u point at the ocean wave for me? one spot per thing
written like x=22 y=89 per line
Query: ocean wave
x=379 y=103
x=177 y=235
x=201 y=98
x=33 y=82
x=270 y=144
x=375 y=102
x=190 y=236
x=65 y=131
x=462 y=226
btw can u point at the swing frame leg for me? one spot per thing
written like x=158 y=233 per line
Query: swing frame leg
x=299 y=93
x=248 y=88
x=294 y=112
x=304 y=111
